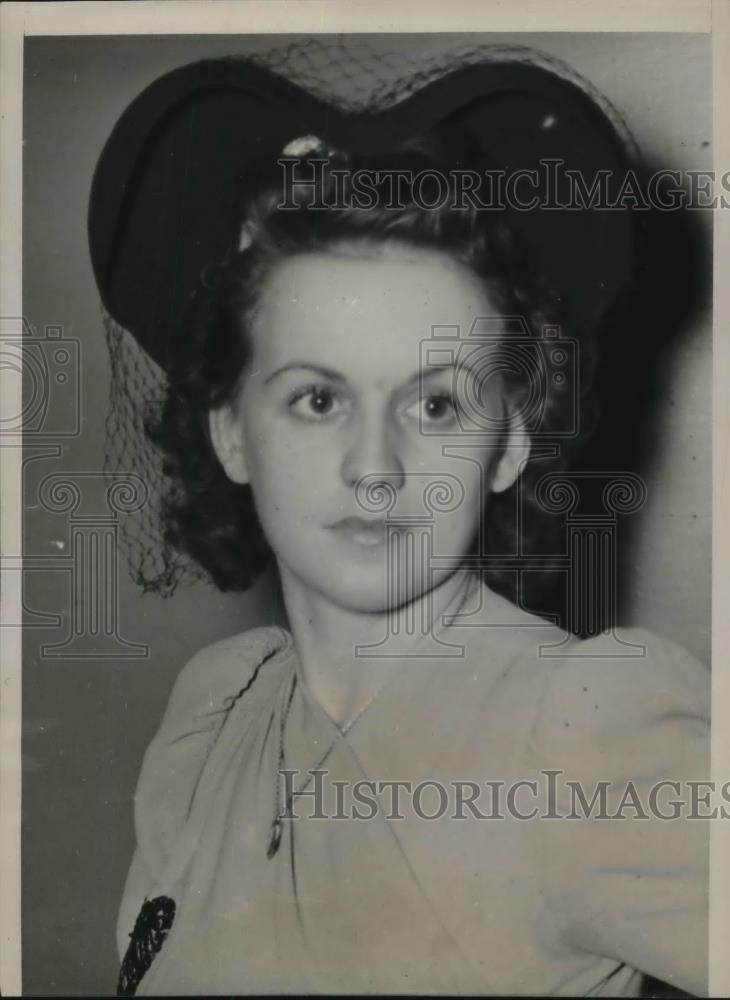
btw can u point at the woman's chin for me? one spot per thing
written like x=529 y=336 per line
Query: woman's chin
x=358 y=594
x=366 y=578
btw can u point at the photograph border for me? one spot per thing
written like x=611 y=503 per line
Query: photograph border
x=18 y=20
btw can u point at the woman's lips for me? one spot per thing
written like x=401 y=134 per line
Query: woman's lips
x=361 y=531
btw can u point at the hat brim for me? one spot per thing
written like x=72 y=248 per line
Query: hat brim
x=167 y=195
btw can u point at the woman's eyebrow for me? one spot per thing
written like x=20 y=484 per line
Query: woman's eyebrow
x=428 y=371
x=328 y=373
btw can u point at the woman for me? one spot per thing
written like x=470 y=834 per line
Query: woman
x=531 y=850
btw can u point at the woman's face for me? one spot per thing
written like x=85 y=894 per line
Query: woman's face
x=370 y=437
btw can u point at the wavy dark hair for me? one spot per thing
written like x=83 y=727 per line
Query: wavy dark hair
x=212 y=519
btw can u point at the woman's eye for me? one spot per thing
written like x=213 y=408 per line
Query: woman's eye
x=435 y=409
x=314 y=403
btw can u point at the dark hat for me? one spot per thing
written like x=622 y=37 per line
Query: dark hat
x=167 y=195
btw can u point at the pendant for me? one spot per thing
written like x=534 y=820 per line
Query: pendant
x=275 y=840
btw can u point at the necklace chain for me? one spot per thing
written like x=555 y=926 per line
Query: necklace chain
x=277 y=823
x=277 y=827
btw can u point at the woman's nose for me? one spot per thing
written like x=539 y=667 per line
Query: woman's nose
x=373 y=454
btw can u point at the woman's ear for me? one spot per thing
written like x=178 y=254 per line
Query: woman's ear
x=515 y=453
x=227 y=438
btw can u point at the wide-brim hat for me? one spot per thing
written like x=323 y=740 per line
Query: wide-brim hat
x=166 y=195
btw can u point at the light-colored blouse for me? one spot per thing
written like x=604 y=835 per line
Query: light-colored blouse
x=537 y=889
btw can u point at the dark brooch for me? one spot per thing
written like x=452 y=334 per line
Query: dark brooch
x=150 y=930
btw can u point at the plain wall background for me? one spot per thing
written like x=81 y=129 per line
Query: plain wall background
x=88 y=721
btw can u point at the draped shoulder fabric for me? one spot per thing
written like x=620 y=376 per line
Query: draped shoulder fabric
x=442 y=852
